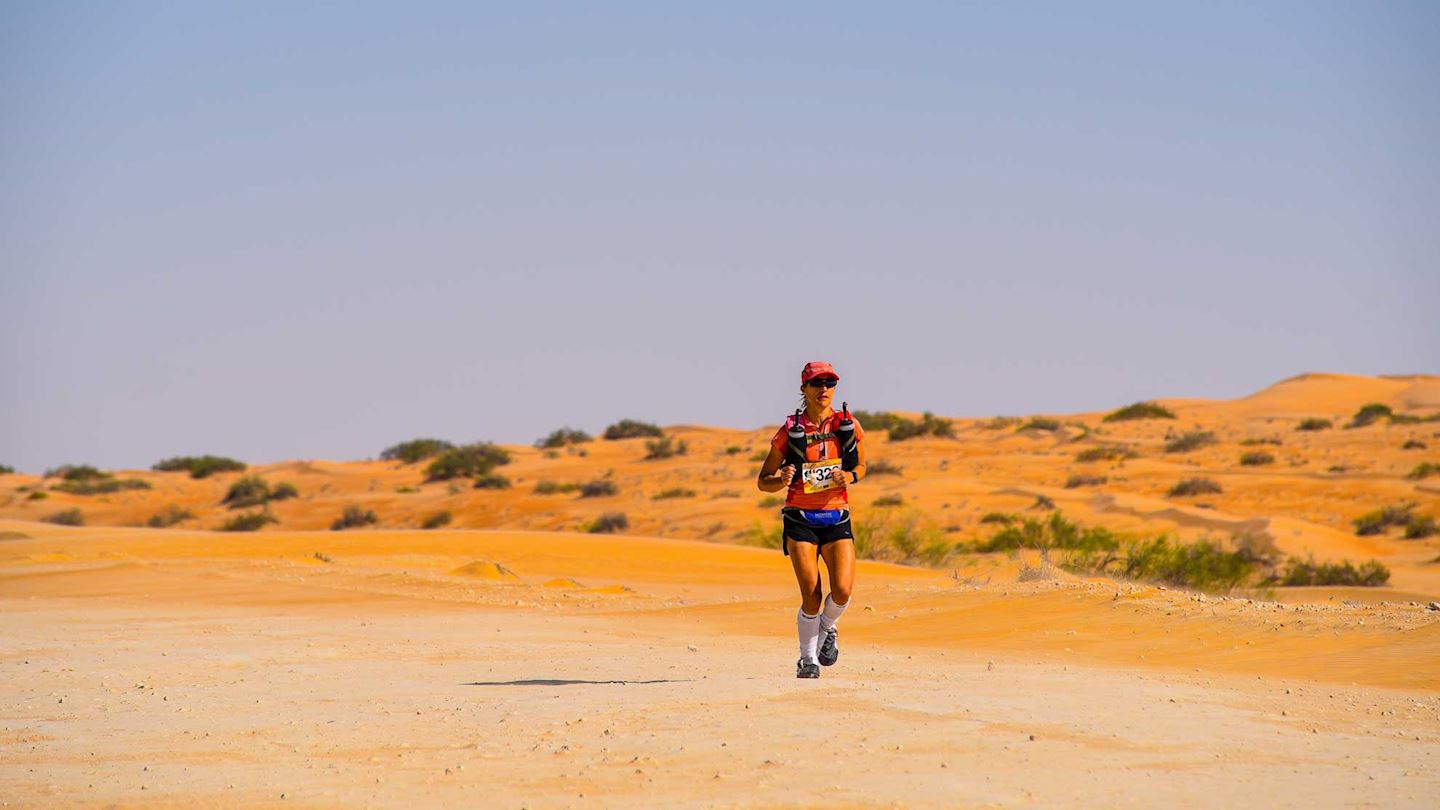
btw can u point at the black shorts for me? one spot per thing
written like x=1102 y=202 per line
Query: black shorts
x=799 y=530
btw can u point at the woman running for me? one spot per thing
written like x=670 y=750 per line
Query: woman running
x=816 y=456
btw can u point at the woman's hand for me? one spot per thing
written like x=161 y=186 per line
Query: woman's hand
x=786 y=474
x=841 y=478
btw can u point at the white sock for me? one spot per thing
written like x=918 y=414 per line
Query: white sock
x=809 y=629
x=831 y=614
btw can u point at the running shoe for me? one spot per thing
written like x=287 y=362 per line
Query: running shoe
x=829 y=651
x=806 y=669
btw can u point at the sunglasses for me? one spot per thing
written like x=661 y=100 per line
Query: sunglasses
x=827 y=382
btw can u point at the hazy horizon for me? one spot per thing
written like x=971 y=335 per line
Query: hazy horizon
x=299 y=232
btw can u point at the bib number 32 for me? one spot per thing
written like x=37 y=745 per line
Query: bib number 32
x=819 y=476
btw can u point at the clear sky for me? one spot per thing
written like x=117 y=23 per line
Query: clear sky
x=282 y=230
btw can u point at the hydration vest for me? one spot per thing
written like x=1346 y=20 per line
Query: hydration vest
x=798 y=441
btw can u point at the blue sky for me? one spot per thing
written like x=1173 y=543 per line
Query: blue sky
x=280 y=230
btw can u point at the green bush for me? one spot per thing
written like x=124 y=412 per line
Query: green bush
x=415 y=450
x=673 y=492
x=1261 y=440
x=882 y=467
x=1407 y=419
x=1420 y=527
x=469 y=461
x=1300 y=572
x=1194 y=486
x=437 y=520
x=1204 y=565
x=1140 y=410
x=1054 y=532
x=37 y=495
x=100 y=486
x=554 y=488
x=199 y=466
x=354 y=517
x=1413 y=444
x=1377 y=521
x=928 y=425
x=609 y=523
x=1041 y=423
x=1370 y=414
x=1103 y=453
x=67 y=517
x=492 y=481
x=1193 y=440
x=877 y=420
x=1256 y=458
x=768 y=536
x=249 y=522
x=248 y=491
x=169 y=517
x=664 y=447
x=734 y=450
x=284 y=491
x=6 y=469
x=563 y=437
x=1424 y=470
x=1003 y=518
x=771 y=501
x=1000 y=423
x=599 y=488
x=76 y=472
x=1315 y=423
x=1077 y=481
x=632 y=429
x=888 y=500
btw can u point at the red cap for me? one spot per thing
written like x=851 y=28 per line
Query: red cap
x=816 y=369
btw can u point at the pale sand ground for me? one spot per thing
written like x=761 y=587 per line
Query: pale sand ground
x=189 y=662
x=153 y=668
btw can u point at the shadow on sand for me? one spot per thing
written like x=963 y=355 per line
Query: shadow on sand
x=567 y=682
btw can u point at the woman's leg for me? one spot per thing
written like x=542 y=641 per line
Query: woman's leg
x=804 y=557
x=840 y=562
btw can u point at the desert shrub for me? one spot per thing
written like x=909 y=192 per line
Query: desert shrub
x=492 y=481
x=1408 y=419
x=882 y=467
x=248 y=491
x=284 y=491
x=877 y=420
x=468 y=461
x=76 y=472
x=1043 y=502
x=888 y=500
x=1256 y=458
x=6 y=469
x=1194 y=486
x=673 y=492
x=1140 y=410
x=353 y=517
x=437 y=520
x=1204 y=564
x=415 y=450
x=1103 y=453
x=1260 y=440
x=1300 y=572
x=66 y=517
x=609 y=523
x=249 y=522
x=563 y=437
x=726 y=493
x=1003 y=518
x=1041 y=423
x=1315 y=423
x=1420 y=527
x=632 y=429
x=1077 y=481
x=770 y=501
x=1370 y=414
x=169 y=517
x=554 y=488
x=1424 y=470
x=199 y=466
x=1000 y=423
x=1193 y=440
x=768 y=536
x=100 y=486
x=664 y=447
x=407 y=490
x=1413 y=444
x=928 y=425
x=37 y=495
x=1055 y=532
x=599 y=488
x=734 y=450
x=1377 y=521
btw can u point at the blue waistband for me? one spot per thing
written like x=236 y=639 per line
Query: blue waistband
x=820 y=517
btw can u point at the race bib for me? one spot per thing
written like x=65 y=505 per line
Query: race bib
x=819 y=476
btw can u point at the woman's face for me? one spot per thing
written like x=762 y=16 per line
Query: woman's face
x=818 y=395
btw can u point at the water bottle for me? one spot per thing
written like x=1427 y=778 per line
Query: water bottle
x=849 y=445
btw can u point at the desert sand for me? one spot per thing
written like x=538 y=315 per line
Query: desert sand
x=510 y=660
